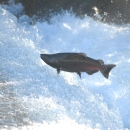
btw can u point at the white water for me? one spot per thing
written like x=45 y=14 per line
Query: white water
x=33 y=96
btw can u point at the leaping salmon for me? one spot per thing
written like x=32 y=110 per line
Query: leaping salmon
x=77 y=62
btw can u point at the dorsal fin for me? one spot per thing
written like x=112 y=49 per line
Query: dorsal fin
x=77 y=56
x=83 y=55
x=101 y=62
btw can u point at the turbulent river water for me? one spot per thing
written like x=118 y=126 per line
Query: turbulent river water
x=34 y=96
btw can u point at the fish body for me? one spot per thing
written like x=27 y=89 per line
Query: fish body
x=76 y=62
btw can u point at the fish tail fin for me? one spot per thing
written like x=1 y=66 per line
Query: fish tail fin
x=105 y=72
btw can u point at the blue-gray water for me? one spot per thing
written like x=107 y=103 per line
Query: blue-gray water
x=33 y=96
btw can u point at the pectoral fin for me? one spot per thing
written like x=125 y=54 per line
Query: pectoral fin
x=58 y=70
x=79 y=73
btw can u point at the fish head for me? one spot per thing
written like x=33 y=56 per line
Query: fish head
x=53 y=57
x=50 y=60
x=45 y=57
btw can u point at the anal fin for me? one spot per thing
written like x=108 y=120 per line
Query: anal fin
x=92 y=72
